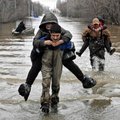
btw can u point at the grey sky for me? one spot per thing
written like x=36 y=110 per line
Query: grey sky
x=49 y=3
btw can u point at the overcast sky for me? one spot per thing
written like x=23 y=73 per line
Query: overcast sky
x=49 y=3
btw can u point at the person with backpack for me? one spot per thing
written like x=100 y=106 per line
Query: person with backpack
x=97 y=39
x=103 y=26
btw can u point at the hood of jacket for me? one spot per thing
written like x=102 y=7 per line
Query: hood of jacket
x=48 y=18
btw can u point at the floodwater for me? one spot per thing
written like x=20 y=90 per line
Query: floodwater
x=76 y=103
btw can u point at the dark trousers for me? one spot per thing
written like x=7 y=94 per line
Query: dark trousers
x=70 y=65
x=36 y=68
x=36 y=60
x=101 y=55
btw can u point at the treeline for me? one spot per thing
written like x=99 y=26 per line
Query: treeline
x=108 y=9
x=36 y=9
x=11 y=10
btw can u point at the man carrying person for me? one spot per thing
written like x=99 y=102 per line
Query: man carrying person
x=48 y=20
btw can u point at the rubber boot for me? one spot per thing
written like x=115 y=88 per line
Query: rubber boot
x=54 y=103
x=45 y=107
x=88 y=82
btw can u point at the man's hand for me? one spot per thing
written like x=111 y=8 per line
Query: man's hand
x=48 y=42
x=57 y=43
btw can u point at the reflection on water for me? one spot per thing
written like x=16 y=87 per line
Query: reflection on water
x=76 y=103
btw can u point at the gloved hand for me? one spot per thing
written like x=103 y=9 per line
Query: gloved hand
x=78 y=53
x=112 y=51
x=24 y=90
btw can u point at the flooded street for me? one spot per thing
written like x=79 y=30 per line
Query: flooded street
x=76 y=103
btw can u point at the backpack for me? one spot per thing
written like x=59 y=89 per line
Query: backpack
x=69 y=51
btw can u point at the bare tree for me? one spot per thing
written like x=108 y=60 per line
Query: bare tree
x=109 y=9
x=37 y=9
x=17 y=9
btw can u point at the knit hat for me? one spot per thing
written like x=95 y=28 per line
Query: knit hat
x=55 y=28
x=95 y=21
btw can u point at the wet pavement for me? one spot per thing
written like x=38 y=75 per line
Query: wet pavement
x=76 y=103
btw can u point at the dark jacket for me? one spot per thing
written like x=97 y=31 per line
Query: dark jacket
x=20 y=27
x=96 y=41
x=65 y=46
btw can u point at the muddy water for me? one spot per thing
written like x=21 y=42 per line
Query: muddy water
x=76 y=103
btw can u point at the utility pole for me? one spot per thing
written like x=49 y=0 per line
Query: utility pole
x=15 y=9
x=29 y=8
x=66 y=7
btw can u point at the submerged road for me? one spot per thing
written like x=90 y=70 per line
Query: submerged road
x=76 y=103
